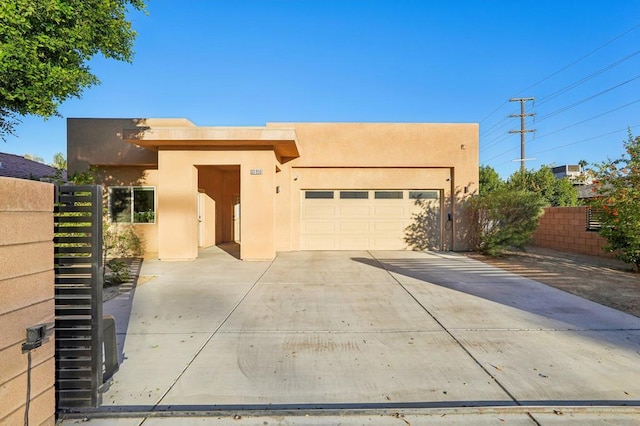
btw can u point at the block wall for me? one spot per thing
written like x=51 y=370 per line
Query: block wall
x=564 y=229
x=26 y=299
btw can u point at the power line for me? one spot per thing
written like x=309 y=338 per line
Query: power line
x=586 y=140
x=494 y=111
x=565 y=145
x=500 y=155
x=565 y=67
x=580 y=59
x=495 y=141
x=568 y=107
x=589 y=119
x=498 y=129
x=490 y=129
x=557 y=93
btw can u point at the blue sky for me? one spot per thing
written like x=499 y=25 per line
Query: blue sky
x=251 y=62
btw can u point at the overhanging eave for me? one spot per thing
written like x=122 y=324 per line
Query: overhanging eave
x=282 y=141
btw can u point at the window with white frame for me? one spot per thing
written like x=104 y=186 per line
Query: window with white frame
x=132 y=204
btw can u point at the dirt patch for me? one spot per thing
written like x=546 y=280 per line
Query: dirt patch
x=111 y=291
x=602 y=280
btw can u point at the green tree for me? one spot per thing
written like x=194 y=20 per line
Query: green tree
x=617 y=183
x=45 y=46
x=555 y=192
x=489 y=180
x=504 y=218
x=59 y=162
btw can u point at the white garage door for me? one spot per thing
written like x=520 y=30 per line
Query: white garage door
x=363 y=219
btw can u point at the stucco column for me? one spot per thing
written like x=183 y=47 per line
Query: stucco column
x=177 y=206
x=257 y=204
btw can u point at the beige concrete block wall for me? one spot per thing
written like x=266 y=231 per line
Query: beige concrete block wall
x=26 y=299
x=564 y=229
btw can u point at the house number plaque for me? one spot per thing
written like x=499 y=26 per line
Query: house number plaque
x=256 y=172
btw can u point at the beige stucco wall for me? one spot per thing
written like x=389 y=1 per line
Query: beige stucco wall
x=133 y=176
x=442 y=157
x=26 y=299
x=379 y=156
x=178 y=184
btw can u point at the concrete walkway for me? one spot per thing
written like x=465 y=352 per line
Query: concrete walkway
x=366 y=338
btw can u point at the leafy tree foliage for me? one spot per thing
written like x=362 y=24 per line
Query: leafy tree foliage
x=617 y=183
x=489 y=180
x=59 y=162
x=554 y=192
x=505 y=218
x=45 y=46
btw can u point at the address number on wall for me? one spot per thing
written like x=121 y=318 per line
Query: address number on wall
x=256 y=171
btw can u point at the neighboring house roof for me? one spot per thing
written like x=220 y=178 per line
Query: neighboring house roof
x=16 y=166
x=586 y=191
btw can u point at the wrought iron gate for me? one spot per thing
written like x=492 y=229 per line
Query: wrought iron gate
x=78 y=295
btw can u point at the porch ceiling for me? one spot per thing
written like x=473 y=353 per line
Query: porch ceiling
x=282 y=141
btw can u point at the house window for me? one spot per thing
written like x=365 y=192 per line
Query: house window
x=349 y=195
x=386 y=195
x=132 y=204
x=423 y=195
x=318 y=194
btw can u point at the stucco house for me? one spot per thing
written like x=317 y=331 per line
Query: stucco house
x=280 y=187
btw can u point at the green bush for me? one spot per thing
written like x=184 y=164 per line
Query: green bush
x=121 y=240
x=118 y=272
x=504 y=218
x=617 y=183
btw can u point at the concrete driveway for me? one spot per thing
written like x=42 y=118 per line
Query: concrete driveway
x=360 y=330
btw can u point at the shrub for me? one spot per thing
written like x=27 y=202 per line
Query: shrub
x=118 y=272
x=617 y=183
x=121 y=240
x=504 y=218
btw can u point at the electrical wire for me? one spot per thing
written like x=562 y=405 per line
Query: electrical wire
x=564 y=90
x=589 y=119
x=495 y=141
x=568 y=144
x=506 y=121
x=580 y=59
x=553 y=95
x=26 y=406
x=586 y=140
x=573 y=105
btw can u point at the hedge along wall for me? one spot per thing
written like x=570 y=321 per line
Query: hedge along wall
x=564 y=229
x=26 y=299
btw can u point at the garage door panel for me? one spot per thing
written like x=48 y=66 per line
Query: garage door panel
x=319 y=211
x=388 y=225
x=319 y=226
x=351 y=226
x=355 y=211
x=364 y=223
x=389 y=211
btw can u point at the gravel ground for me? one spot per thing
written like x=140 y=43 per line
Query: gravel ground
x=603 y=280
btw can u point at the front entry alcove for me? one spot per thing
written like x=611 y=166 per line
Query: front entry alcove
x=218 y=205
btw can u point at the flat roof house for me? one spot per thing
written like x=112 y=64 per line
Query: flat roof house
x=281 y=187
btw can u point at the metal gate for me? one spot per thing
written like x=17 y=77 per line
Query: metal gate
x=78 y=295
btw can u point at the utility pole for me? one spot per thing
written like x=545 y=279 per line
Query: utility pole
x=523 y=130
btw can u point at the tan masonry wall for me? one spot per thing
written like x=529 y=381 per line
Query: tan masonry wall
x=26 y=299
x=564 y=229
